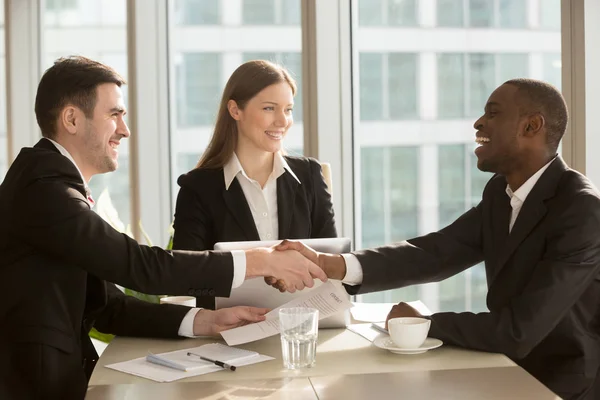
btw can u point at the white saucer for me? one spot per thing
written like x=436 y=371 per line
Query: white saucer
x=385 y=342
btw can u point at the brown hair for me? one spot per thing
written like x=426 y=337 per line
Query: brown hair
x=71 y=80
x=542 y=97
x=245 y=83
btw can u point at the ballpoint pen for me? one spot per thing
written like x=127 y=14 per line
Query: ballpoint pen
x=216 y=362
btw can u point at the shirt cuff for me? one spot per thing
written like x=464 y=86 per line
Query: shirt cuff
x=186 y=328
x=239 y=268
x=354 y=272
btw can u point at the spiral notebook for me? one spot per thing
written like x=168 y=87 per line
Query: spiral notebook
x=183 y=366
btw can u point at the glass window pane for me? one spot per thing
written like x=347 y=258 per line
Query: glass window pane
x=450 y=13
x=481 y=13
x=197 y=12
x=451 y=182
x=371 y=85
x=403 y=192
x=370 y=12
x=451 y=85
x=290 y=12
x=95 y=29
x=512 y=14
x=402 y=12
x=199 y=78
x=402 y=85
x=552 y=69
x=372 y=191
x=550 y=14
x=481 y=81
x=258 y=12
x=510 y=66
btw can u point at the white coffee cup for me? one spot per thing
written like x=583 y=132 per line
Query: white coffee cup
x=189 y=301
x=409 y=332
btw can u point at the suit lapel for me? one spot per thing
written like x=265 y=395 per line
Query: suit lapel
x=534 y=208
x=238 y=207
x=286 y=199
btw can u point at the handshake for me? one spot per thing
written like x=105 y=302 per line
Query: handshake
x=291 y=266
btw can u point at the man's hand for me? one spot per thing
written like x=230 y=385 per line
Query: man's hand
x=401 y=310
x=288 y=266
x=210 y=323
x=333 y=265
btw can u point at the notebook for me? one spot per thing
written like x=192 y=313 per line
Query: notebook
x=189 y=365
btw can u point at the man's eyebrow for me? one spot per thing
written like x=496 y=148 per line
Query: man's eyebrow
x=492 y=104
x=117 y=110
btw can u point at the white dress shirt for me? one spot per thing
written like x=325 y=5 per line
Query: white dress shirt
x=262 y=201
x=354 y=271
x=517 y=198
x=186 y=328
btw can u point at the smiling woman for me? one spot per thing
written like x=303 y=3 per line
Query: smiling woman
x=244 y=188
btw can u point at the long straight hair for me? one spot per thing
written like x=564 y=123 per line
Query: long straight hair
x=246 y=82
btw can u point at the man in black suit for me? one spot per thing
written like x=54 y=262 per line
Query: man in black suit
x=57 y=254
x=537 y=229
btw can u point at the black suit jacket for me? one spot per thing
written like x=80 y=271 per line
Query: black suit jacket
x=543 y=277
x=207 y=213
x=56 y=254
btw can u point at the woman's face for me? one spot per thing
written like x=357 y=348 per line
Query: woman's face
x=266 y=118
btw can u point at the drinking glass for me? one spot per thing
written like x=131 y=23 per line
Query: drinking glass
x=299 y=327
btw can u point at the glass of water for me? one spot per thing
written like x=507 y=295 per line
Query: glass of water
x=299 y=329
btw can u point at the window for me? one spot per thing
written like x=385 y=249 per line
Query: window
x=550 y=14
x=451 y=182
x=204 y=52
x=388 y=86
x=198 y=80
x=482 y=13
x=60 y=4
x=96 y=30
x=465 y=81
x=271 y=12
x=387 y=12
x=552 y=69
x=197 y=12
x=450 y=13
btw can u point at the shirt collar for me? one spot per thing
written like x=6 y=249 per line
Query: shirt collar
x=65 y=153
x=523 y=191
x=234 y=167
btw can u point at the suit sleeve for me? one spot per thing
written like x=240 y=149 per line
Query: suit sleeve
x=429 y=258
x=569 y=266
x=322 y=218
x=127 y=316
x=58 y=222
x=192 y=222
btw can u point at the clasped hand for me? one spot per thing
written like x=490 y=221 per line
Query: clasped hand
x=295 y=249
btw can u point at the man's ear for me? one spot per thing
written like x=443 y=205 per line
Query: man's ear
x=234 y=110
x=535 y=124
x=69 y=118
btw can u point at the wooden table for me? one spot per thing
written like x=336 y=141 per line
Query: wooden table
x=339 y=352
x=461 y=384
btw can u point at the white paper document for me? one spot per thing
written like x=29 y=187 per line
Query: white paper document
x=329 y=298
x=193 y=365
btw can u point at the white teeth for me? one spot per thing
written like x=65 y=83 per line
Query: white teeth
x=482 y=140
x=275 y=135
